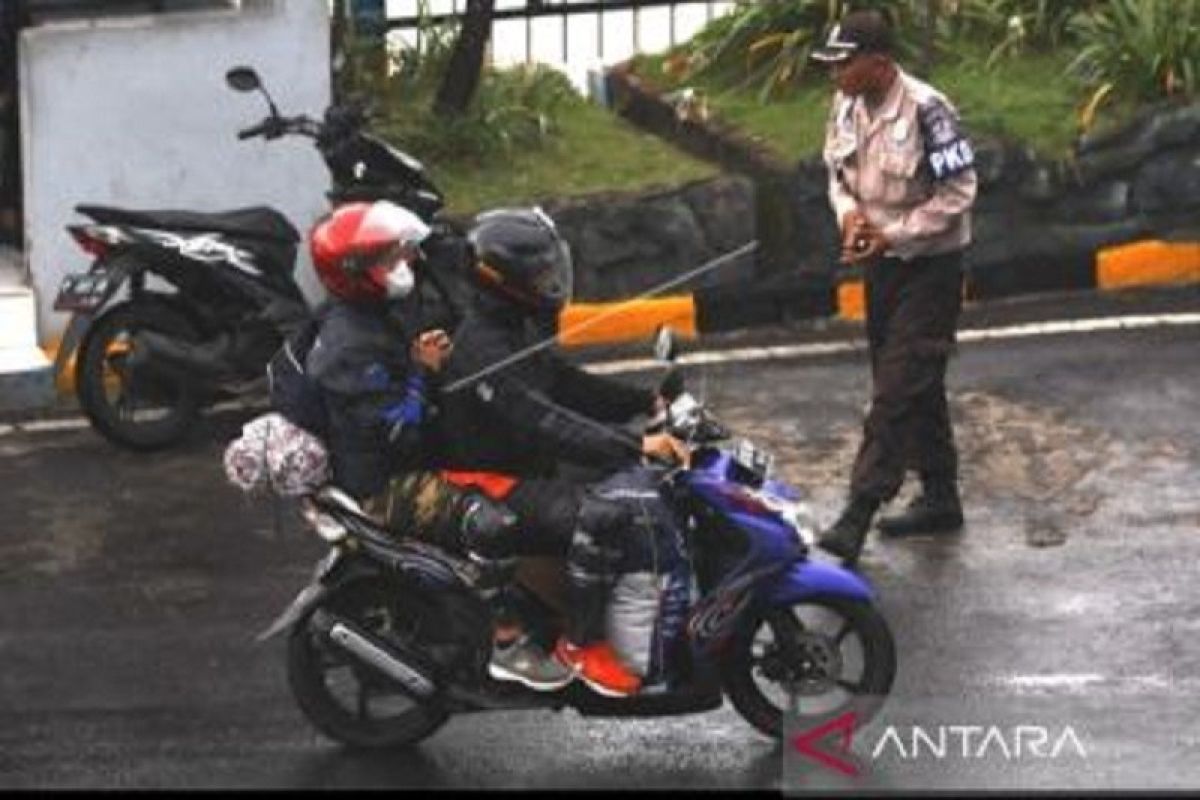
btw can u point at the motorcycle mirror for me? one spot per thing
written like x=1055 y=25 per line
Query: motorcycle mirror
x=243 y=79
x=664 y=344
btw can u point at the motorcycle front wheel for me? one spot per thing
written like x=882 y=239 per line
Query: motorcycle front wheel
x=346 y=700
x=813 y=661
x=132 y=406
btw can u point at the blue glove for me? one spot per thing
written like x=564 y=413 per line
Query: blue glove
x=407 y=412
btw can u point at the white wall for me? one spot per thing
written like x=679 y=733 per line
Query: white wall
x=135 y=112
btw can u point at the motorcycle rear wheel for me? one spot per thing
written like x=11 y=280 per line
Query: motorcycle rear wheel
x=345 y=700
x=805 y=660
x=110 y=392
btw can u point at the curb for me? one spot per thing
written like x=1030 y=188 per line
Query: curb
x=828 y=338
x=790 y=298
x=726 y=307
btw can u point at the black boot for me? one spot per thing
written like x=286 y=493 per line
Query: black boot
x=936 y=510
x=846 y=536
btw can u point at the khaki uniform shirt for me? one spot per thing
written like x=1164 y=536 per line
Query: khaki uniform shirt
x=907 y=167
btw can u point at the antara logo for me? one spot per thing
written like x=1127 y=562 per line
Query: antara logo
x=808 y=744
x=939 y=742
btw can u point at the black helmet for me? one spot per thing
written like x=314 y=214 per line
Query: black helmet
x=520 y=257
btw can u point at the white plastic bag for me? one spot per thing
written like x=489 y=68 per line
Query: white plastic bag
x=632 y=615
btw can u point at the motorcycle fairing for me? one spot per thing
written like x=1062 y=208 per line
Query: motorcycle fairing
x=808 y=578
x=715 y=618
x=258 y=222
x=332 y=572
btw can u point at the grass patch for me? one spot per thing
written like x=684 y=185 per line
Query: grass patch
x=592 y=151
x=1030 y=98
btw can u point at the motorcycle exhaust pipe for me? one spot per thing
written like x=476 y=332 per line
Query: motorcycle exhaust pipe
x=207 y=359
x=370 y=652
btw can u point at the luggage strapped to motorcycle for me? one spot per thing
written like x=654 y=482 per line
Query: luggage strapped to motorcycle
x=292 y=390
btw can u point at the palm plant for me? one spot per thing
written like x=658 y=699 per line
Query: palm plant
x=1144 y=49
x=767 y=44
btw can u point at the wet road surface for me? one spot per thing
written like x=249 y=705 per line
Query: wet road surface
x=131 y=588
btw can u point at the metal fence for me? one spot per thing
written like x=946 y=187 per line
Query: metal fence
x=580 y=33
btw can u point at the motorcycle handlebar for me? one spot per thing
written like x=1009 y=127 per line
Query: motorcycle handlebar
x=254 y=130
x=274 y=127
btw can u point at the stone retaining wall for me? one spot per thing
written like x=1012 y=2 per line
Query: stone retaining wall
x=1037 y=224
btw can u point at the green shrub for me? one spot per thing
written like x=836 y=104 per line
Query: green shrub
x=1144 y=49
x=513 y=108
x=1013 y=27
x=765 y=45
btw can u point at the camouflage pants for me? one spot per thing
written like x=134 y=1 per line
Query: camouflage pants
x=421 y=505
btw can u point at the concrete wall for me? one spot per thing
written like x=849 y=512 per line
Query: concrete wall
x=134 y=111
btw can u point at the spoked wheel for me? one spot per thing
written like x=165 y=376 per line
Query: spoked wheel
x=134 y=406
x=814 y=660
x=347 y=700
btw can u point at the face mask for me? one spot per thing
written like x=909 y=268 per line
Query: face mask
x=400 y=281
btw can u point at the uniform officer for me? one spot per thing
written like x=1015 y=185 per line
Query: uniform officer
x=901 y=184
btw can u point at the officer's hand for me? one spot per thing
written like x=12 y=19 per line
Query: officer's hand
x=666 y=447
x=867 y=244
x=431 y=349
x=852 y=223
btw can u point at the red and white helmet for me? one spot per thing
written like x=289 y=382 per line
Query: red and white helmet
x=365 y=252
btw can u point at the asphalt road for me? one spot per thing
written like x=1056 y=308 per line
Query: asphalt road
x=131 y=588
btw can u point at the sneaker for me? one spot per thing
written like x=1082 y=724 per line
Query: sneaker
x=599 y=667
x=524 y=662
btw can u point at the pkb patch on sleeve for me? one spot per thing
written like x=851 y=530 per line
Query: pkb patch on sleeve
x=947 y=150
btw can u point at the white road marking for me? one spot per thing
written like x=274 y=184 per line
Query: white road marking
x=1134 y=684
x=758 y=354
x=1052 y=681
x=47 y=425
x=747 y=354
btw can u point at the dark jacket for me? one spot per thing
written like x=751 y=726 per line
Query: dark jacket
x=374 y=393
x=525 y=417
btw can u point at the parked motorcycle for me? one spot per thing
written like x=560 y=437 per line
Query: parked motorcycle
x=393 y=635
x=148 y=363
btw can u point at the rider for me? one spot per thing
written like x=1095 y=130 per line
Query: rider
x=375 y=392
x=518 y=413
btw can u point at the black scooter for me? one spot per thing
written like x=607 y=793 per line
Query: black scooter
x=149 y=362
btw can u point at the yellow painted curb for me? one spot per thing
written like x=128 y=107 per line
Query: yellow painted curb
x=1148 y=263
x=851 y=303
x=609 y=323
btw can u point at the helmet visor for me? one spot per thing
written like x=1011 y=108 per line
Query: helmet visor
x=554 y=283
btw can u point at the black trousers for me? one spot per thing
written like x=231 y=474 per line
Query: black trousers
x=912 y=314
x=548 y=511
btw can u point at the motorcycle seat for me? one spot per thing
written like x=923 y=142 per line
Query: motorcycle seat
x=257 y=222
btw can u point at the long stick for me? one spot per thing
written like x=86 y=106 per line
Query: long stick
x=520 y=355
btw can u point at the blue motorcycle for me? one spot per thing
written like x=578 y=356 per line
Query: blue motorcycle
x=393 y=635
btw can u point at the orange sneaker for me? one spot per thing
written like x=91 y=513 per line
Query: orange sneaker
x=599 y=667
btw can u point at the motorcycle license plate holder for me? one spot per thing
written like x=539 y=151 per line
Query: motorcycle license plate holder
x=84 y=292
